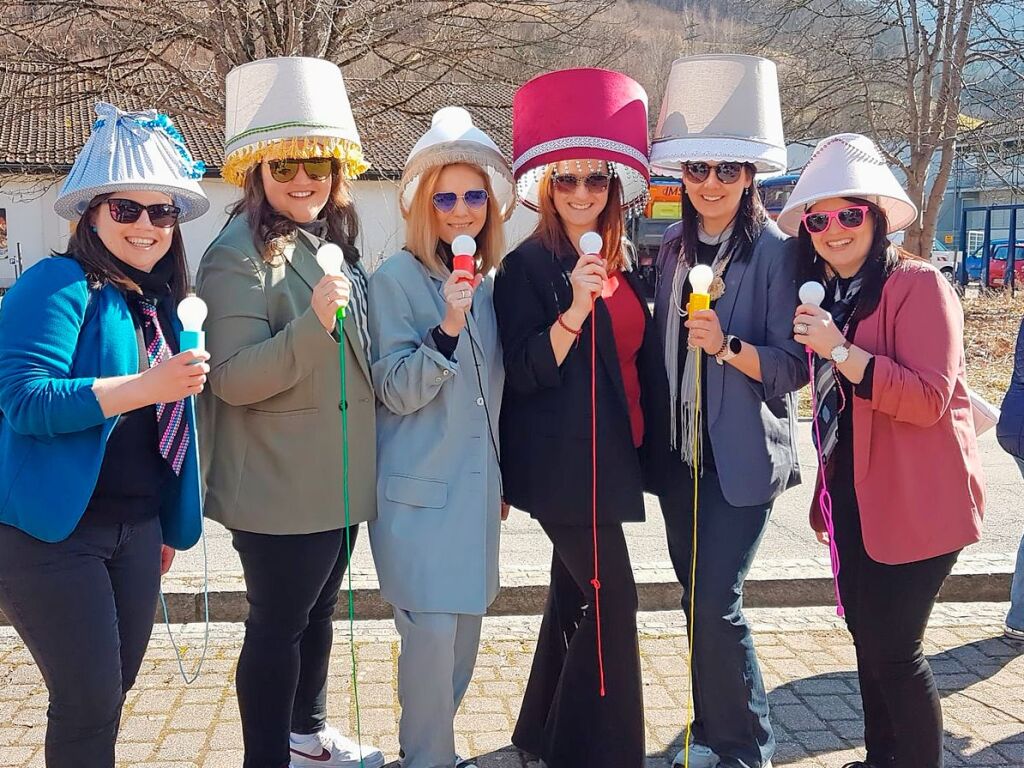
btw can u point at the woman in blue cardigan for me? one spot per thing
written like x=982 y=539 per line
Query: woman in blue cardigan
x=99 y=477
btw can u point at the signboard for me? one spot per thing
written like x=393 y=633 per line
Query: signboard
x=666 y=200
x=948 y=239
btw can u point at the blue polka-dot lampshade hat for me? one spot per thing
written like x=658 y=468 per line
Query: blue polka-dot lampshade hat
x=133 y=151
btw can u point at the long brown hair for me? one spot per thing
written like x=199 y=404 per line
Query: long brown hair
x=269 y=227
x=883 y=257
x=86 y=247
x=421 y=236
x=610 y=225
x=750 y=221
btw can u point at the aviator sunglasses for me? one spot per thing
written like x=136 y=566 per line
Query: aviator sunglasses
x=445 y=202
x=566 y=183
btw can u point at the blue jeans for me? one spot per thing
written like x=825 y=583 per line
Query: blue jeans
x=730 y=703
x=84 y=608
x=1015 y=618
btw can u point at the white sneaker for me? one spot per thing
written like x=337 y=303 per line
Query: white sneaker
x=329 y=749
x=700 y=757
x=1013 y=634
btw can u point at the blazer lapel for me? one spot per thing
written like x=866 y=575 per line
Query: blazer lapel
x=725 y=308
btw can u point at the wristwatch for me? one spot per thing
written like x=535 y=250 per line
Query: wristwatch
x=730 y=348
x=841 y=352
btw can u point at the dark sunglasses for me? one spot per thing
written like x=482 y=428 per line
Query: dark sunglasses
x=567 y=183
x=727 y=173
x=445 y=202
x=124 y=211
x=848 y=218
x=317 y=168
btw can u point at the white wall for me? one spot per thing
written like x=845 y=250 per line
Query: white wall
x=32 y=222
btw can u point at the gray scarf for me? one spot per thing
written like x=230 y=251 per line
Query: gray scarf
x=683 y=394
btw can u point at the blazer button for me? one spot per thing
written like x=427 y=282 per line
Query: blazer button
x=343 y=405
x=445 y=372
x=479 y=401
x=437 y=380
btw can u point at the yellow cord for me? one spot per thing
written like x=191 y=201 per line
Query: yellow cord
x=693 y=559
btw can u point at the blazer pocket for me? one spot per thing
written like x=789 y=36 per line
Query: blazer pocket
x=416 y=491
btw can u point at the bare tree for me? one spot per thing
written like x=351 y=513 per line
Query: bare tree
x=904 y=72
x=179 y=51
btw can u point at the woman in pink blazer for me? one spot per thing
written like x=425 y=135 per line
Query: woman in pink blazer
x=894 y=426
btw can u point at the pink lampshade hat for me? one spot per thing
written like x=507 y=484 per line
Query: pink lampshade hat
x=578 y=114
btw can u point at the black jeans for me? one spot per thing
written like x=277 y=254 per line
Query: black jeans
x=84 y=608
x=730 y=702
x=887 y=610
x=563 y=718
x=292 y=585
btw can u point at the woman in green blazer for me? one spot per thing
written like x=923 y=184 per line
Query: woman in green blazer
x=271 y=437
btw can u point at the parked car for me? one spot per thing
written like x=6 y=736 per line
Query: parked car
x=999 y=255
x=775 y=192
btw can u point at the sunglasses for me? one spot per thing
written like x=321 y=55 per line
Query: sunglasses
x=567 y=183
x=727 y=173
x=124 y=211
x=317 y=168
x=445 y=202
x=848 y=218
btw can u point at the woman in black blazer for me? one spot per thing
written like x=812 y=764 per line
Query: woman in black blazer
x=542 y=297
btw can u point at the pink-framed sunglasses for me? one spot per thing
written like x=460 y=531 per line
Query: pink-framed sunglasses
x=848 y=218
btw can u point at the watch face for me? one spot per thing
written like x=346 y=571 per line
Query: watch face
x=840 y=354
x=735 y=345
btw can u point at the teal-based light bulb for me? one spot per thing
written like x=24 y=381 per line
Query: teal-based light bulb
x=192 y=313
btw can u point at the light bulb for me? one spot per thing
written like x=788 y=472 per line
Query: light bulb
x=330 y=258
x=591 y=242
x=192 y=313
x=812 y=292
x=700 y=278
x=463 y=245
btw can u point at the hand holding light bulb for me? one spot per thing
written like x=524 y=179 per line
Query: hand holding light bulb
x=331 y=295
x=587 y=278
x=702 y=321
x=459 y=287
x=184 y=374
x=812 y=325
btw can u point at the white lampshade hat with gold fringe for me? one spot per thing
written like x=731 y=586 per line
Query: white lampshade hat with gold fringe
x=288 y=108
x=720 y=108
x=453 y=139
x=848 y=165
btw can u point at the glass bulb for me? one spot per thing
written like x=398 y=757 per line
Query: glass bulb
x=591 y=242
x=192 y=313
x=463 y=245
x=330 y=258
x=812 y=292
x=700 y=278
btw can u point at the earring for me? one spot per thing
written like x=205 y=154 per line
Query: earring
x=93 y=228
x=746 y=191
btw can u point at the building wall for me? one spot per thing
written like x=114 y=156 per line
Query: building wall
x=33 y=224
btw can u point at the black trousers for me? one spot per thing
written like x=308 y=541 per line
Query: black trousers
x=84 y=608
x=887 y=611
x=292 y=585
x=564 y=719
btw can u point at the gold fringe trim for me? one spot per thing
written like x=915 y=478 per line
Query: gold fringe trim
x=239 y=162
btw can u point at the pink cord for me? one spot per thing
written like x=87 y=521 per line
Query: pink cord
x=824 y=497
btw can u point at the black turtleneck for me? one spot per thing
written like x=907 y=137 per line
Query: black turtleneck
x=445 y=344
x=133 y=472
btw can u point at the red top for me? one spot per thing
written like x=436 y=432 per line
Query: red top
x=628 y=324
x=916 y=467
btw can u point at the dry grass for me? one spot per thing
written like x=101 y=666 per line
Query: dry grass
x=991 y=322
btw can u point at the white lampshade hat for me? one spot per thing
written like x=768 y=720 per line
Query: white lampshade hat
x=720 y=108
x=848 y=165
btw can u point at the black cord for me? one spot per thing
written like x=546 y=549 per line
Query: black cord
x=487 y=410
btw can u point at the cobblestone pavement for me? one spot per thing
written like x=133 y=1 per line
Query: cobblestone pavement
x=806 y=656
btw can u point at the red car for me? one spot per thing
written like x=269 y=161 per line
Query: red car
x=1000 y=254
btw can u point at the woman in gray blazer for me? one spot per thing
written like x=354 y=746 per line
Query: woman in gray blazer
x=745 y=452
x=438 y=373
x=271 y=424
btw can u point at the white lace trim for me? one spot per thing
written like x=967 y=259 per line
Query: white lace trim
x=581 y=142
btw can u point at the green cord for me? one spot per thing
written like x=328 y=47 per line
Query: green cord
x=348 y=528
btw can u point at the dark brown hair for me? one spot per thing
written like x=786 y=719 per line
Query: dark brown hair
x=610 y=227
x=883 y=258
x=86 y=247
x=268 y=225
x=749 y=223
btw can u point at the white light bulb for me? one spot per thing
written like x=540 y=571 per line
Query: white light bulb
x=700 y=278
x=591 y=242
x=463 y=245
x=330 y=258
x=192 y=313
x=812 y=292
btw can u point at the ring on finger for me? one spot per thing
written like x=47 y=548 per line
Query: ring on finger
x=801 y=329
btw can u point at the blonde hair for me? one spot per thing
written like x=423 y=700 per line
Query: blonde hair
x=421 y=230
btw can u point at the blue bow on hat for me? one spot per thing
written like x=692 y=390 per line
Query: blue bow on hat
x=133 y=151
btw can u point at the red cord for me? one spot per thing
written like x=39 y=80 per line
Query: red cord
x=596 y=581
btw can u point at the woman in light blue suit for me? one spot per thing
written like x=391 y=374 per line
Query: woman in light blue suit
x=99 y=476
x=437 y=371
